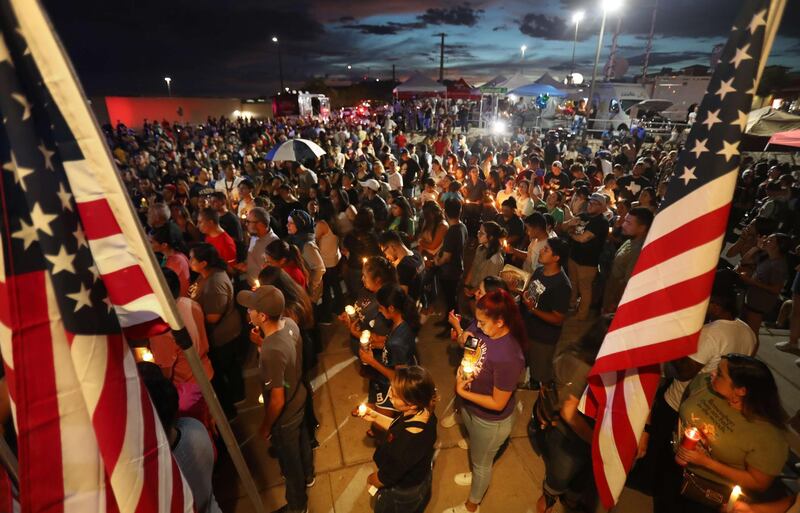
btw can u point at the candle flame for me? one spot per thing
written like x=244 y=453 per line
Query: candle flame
x=362 y=409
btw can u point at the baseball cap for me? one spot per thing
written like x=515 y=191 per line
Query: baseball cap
x=266 y=299
x=599 y=197
x=371 y=184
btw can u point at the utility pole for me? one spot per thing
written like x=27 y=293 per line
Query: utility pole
x=649 y=48
x=441 y=57
x=612 y=59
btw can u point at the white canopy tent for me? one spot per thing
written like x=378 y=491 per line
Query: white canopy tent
x=419 y=85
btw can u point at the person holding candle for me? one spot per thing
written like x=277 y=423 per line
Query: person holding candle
x=738 y=414
x=488 y=260
x=404 y=461
x=488 y=409
x=399 y=347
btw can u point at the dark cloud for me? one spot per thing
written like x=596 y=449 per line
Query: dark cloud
x=387 y=29
x=542 y=25
x=665 y=58
x=461 y=15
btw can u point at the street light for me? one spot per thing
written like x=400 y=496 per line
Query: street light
x=168 y=81
x=522 y=49
x=576 y=19
x=280 y=58
x=607 y=5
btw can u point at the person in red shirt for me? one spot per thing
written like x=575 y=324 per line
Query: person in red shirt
x=400 y=140
x=208 y=224
x=441 y=146
x=288 y=257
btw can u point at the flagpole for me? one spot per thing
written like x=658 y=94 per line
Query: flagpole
x=776 y=8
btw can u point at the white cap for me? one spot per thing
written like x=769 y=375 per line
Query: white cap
x=371 y=184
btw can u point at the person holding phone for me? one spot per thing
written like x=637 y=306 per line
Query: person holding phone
x=488 y=391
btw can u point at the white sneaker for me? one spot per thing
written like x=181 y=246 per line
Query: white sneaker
x=461 y=508
x=786 y=347
x=463 y=444
x=463 y=479
x=449 y=421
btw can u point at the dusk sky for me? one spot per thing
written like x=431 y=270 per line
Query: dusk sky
x=224 y=48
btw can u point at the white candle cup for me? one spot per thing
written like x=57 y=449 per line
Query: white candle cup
x=350 y=310
x=467 y=368
x=362 y=409
x=365 y=335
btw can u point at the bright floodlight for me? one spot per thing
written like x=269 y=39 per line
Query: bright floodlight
x=274 y=39
x=498 y=127
x=578 y=16
x=523 y=48
x=349 y=67
x=611 y=5
x=577 y=78
x=167 y=80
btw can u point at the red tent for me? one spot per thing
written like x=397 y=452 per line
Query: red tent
x=461 y=90
x=790 y=138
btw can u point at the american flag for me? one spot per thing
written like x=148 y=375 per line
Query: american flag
x=74 y=271
x=664 y=305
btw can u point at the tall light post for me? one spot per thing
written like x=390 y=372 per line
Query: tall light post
x=576 y=19
x=607 y=5
x=169 y=89
x=280 y=59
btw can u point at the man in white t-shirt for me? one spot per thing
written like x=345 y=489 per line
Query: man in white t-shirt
x=723 y=335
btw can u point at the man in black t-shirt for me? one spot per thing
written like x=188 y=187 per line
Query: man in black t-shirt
x=544 y=305
x=409 y=264
x=556 y=179
x=587 y=233
x=629 y=186
x=450 y=260
x=511 y=222
x=410 y=170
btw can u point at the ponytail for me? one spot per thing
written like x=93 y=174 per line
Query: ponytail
x=392 y=295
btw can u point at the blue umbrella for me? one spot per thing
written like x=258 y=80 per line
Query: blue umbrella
x=537 y=89
x=295 y=150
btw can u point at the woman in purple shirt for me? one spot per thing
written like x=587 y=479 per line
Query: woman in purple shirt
x=488 y=391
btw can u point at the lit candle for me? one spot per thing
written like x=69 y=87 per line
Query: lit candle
x=350 y=310
x=737 y=491
x=261 y=399
x=364 y=260
x=365 y=335
x=256 y=284
x=145 y=354
x=362 y=409
x=244 y=216
x=690 y=438
x=467 y=368
x=505 y=243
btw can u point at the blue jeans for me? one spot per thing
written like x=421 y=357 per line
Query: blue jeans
x=404 y=500
x=567 y=461
x=485 y=439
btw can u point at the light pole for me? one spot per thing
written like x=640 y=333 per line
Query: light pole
x=169 y=89
x=607 y=5
x=522 y=49
x=280 y=59
x=576 y=19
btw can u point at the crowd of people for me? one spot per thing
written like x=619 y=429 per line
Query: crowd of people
x=500 y=241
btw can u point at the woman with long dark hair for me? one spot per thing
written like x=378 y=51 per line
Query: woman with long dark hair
x=167 y=241
x=736 y=414
x=288 y=257
x=359 y=244
x=404 y=461
x=402 y=216
x=487 y=389
x=397 y=349
x=489 y=259
x=214 y=291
